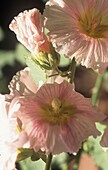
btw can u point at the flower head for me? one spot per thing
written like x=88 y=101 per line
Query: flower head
x=80 y=29
x=10 y=139
x=58 y=119
x=22 y=84
x=28 y=27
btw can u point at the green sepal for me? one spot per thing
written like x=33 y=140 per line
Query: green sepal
x=24 y=153
x=38 y=155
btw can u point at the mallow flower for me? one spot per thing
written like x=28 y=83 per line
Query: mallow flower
x=21 y=84
x=79 y=28
x=10 y=138
x=28 y=27
x=57 y=118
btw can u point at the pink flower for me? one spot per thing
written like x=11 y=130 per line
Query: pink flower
x=10 y=140
x=58 y=119
x=28 y=27
x=79 y=28
x=22 y=84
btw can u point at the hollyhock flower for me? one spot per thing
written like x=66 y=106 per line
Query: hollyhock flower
x=28 y=27
x=22 y=84
x=79 y=28
x=10 y=140
x=58 y=119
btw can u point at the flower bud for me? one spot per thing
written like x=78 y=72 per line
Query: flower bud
x=47 y=60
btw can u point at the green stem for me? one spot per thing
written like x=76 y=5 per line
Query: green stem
x=48 y=163
x=72 y=70
x=58 y=71
x=98 y=86
x=62 y=74
x=56 y=74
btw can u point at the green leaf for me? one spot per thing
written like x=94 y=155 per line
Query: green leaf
x=37 y=73
x=93 y=147
x=64 y=61
x=28 y=164
x=21 y=53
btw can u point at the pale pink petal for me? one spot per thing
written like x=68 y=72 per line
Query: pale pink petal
x=58 y=119
x=79 y=29
x=28 y=27
x=10 y=139
x=22 y=84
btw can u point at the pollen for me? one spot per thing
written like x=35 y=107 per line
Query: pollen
x=56 y=105
x=94 y=26
x=58 y=112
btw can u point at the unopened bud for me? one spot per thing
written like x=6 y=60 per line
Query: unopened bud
x=47 y=60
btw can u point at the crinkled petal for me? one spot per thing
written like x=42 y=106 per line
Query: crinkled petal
x=58 y=133
x=72 y=30
x=28 y=27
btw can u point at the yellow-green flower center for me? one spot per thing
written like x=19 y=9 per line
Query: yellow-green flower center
x=57 y=112
x=94 y=26
x=56 y=105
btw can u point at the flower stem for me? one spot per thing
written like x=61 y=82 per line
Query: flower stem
x=48 y=163
x=98 y=86
x=62 y=73
x=56 y=74
x=72 y=70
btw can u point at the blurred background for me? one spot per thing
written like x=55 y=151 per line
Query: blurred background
x=11 y=52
